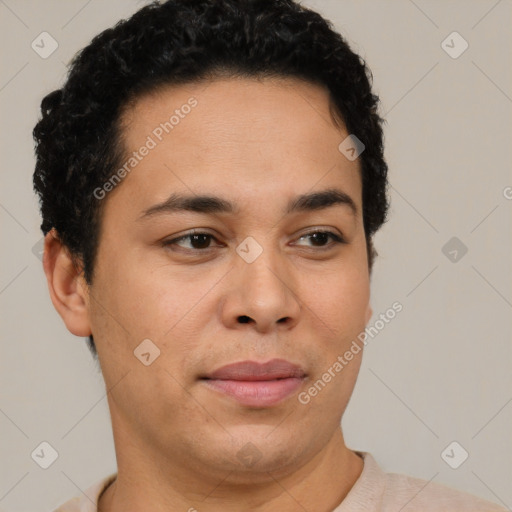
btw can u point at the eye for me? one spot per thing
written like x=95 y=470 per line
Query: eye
x=319 y=237
x=198 y=241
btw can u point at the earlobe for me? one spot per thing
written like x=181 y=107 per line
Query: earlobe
x=68 y=290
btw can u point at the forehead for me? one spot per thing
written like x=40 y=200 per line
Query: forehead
x=272 y=137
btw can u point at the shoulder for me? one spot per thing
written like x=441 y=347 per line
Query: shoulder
x=89 y=499
x=377 y=491
x=413 y=494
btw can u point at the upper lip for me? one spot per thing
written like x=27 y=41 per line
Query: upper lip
x=254 y=371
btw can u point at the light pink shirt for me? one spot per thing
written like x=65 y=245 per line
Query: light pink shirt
x=374 y=491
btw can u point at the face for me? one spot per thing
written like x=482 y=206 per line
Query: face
x=254 y=275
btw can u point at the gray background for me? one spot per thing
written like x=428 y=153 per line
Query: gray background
x=439 y=372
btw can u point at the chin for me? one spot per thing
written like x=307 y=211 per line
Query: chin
x=262 y=449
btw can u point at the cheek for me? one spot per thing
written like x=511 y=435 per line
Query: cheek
x=139 y=298
x=167 y=306
x=339 y=300
x=154 y=392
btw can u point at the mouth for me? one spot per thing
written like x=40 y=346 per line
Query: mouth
x=256 y=384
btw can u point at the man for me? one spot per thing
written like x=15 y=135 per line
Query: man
x=211 y=176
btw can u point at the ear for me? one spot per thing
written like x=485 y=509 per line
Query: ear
x=68 y=289
x=369 y=313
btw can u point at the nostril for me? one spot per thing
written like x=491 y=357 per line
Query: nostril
x=243 y=319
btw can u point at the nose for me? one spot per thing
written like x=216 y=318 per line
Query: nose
x=261 y=294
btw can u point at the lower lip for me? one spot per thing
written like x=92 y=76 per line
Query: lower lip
x=260 y=393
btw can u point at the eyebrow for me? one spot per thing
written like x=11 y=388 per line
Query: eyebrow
x=209 y=204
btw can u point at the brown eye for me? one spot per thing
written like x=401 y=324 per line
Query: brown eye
x=197 y=241
x=319 y=238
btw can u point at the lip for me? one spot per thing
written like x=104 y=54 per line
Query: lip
x=256 y=384
x=254 y=371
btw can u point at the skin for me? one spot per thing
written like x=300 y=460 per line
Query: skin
x=257 y=143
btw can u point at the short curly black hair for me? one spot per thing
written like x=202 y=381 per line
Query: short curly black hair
x=78 y=139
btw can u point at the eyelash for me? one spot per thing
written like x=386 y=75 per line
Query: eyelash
x=337 y=240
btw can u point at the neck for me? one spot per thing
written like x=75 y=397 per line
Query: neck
x=144 y=479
